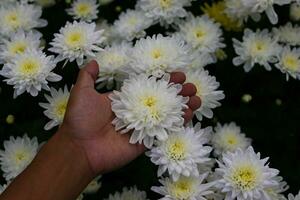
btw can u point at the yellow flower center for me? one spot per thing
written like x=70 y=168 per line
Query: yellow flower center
x=150 y=102
x=83 y=9
x=199 y=33
x=291 y=62
x=29 y=67
x=165 y=3
x=156 y=53
x=182 y=189
x=258 y=47
x=60 y=108
x=20 y=157
x=176 y=150
x=18 y=48
x=13 y=19
x=132 y=21
x=75 y=39
x=245 y=178
x=231 y=139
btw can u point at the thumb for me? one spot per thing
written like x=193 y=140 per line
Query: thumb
x=88 y=75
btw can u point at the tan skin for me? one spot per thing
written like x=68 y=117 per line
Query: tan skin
x=85 y=145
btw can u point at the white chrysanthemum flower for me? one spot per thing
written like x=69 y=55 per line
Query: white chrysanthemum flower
x=257 y=47
x=108 y=33
x=202 y=33
x=30 y=72
x=200 y=60
x=275 y=192
x=207 y=90
x=77 y=40
x=85 y=10
x=17 y=155
x=182 y=152
x=292 y=197
x=93 y=186
x=217 y=194
x=158 y=55
x=149 y=106
x=289 y=62
x=17 y=44
x=238 y=11
x=295 y=11
x=3 y=187
x=131 y=24
x=245 y=175
x=14 y=17
x=80 y=197
x=56 y=108
x=131 y=193
x=260 y=6
x=288 y=34
x=164 y=11
x=229 y=138
x=112 y=62
x=191 y=188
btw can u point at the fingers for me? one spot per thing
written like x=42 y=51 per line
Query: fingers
x=188 y=115
x=177 y=77
x=188 y=90
x=88 y=75
x=194 y=103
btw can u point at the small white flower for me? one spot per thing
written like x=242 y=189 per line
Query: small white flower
x=85 y=10
x=202 y=33
x=238 y=11
x=289 y=62
x=80 y=197
x=164 y=11
x=207 y=90
x=93 y=186
x=159 y=54
x=112 y=62
x=288 y=34
x=3 y=187
x=257 y=47
x=200 y=60
x=132 y=193
x=17 y=44
x=229 y=138
x=295 y=11
x=191 y=188
x=56 y=108
x=182 y=152
x=131 y=24
x=14 y=17
x=30 y=72
x=107 y=29
x=275 y=192
x=260 y=6
x=292 y=197
x=17 y=155
x=149 y=106
x=245 y=175
x=77 y=40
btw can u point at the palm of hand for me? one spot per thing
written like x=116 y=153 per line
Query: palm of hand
x=89 y=116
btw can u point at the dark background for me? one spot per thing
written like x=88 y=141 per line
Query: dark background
x=274 y=128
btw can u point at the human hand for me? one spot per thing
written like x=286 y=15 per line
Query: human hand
x=88 y=120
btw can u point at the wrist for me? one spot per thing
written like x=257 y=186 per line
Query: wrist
x=73 y=153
